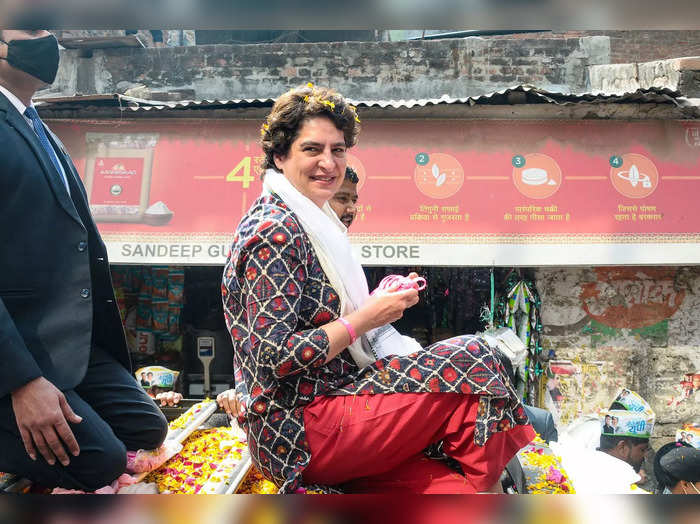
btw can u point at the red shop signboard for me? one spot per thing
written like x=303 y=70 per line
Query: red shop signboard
x=432 y=192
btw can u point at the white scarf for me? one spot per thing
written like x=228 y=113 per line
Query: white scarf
x=328 y=236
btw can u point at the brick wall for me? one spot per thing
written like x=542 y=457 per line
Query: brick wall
x=408 y=69
x=631 y=46
x=645 y=46
x=362 y=70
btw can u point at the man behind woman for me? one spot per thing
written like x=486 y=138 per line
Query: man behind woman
x=335 y=398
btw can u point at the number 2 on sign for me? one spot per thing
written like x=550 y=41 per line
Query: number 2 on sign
x=246 y=178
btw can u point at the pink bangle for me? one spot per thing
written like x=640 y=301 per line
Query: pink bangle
x=351 y=330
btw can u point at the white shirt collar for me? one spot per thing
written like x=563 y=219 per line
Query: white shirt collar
x=22 y=108
x=19 y=105
x=13 y=99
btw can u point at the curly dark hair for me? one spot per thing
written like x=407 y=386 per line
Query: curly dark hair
x=351 y=175
x=296 y=106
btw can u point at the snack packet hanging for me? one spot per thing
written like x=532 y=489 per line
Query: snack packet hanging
x=156 y=376
x=160 y=282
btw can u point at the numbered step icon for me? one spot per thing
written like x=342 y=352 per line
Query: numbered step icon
x=536 y=175
x=616 y=161
x=440 y=177
x=633 y=175
x=422 y=159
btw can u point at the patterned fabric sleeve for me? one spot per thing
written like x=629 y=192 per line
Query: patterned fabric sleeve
x=274 y=274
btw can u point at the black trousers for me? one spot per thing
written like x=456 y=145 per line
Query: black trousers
x=117 y=415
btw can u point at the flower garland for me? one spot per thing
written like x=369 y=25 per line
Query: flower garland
x=207 y=456
x=199 y=462
x=545 y=472
x=256 y=484
x=184 y=419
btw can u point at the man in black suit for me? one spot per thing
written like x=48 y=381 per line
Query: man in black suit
x=69 y=407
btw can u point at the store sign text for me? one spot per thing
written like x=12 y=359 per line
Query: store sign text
x=170 y=251
x=391 y=251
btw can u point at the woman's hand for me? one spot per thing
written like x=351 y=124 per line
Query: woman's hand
x=230 y=403
x=169 y=398
x=388 y=306
x=382 y=307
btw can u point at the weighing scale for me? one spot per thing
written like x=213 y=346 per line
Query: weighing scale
x=206 y=348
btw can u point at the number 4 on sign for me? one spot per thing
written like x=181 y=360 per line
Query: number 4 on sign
x=246 y=178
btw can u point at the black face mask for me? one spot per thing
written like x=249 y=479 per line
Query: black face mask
x=37 y=57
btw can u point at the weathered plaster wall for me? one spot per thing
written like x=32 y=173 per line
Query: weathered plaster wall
x=642 y=323
x=362 y=70
x=678 y=74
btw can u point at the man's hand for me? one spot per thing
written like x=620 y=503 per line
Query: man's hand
x=169 y=398
x=42 y=414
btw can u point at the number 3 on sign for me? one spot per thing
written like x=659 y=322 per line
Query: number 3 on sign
x=246 y=178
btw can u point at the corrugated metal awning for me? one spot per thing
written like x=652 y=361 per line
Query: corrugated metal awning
x=518 y=95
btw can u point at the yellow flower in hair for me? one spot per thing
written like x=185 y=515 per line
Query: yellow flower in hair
x=326 y=103
x=306 y=99
x=310 y=85
x=354 y=112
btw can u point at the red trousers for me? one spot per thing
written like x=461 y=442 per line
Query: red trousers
x=375 y=443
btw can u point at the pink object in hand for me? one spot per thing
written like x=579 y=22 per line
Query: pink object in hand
x=402 y=283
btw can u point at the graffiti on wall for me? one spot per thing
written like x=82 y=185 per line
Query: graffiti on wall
x=632 y=297
x=637 y=299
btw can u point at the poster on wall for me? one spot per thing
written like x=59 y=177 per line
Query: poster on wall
x=431 y=192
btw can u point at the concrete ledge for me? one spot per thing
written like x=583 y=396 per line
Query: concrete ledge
x=678 y=74
x=614 y=78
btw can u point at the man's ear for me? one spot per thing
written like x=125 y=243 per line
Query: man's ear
x=278 y=161
x=622 y=448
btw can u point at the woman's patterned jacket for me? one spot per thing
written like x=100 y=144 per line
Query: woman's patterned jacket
x=276 y=297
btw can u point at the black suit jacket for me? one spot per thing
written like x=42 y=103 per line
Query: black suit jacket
x=56 y=296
